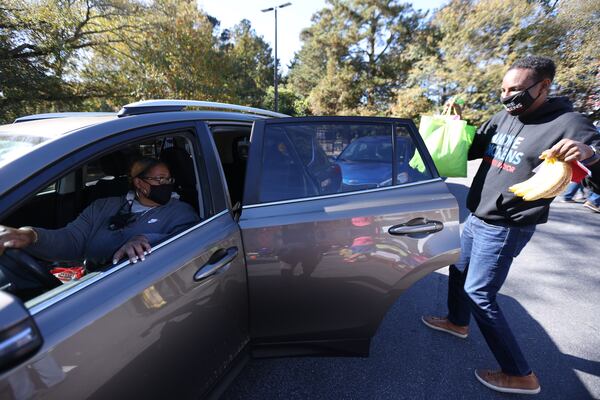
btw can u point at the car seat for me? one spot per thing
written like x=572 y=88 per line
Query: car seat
x=181 y=165
x=235 y=172
x=114 y=165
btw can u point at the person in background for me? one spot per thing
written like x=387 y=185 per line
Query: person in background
x=593 y=199
x=571 y=191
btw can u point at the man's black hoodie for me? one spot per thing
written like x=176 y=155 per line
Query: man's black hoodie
x=510 y=147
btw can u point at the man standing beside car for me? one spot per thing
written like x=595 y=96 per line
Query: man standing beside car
x=500 y=223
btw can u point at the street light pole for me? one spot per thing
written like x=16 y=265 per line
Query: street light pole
x=275 y=70
x=275 y=74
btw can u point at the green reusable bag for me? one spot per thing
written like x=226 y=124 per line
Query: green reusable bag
x=448 y=140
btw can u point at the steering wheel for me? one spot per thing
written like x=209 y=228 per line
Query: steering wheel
x=33 y=267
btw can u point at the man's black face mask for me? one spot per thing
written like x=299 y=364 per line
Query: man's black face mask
x=520 y=102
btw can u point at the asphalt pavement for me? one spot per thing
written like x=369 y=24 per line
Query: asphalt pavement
x=551 y=299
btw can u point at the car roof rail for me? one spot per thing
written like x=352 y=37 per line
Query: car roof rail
x=155 y=106
x=34 y=117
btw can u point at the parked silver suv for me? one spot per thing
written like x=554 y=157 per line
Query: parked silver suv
x=285 y=258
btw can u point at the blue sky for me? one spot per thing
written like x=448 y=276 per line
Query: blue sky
x=290 y=20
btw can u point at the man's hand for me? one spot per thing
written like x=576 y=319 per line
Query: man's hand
x=569 y=150
x=15 y=238
x=136 y=249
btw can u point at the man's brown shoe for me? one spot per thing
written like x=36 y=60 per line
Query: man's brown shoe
x=498 y=380
x=442 y=324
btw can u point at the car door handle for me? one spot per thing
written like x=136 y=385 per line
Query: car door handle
x=416 y=226
x=219 y=260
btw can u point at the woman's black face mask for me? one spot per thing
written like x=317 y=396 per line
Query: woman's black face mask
x=160 y=194
x=518 y=103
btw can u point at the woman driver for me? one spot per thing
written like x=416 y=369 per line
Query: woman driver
x=114 y=227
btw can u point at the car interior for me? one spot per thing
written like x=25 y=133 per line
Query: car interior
x=55 y=205
x=233 y=144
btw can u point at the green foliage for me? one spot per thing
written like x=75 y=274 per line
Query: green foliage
x=177 y=57
x=365 y=57
x=183 y=56
x=353 y=55
x=41 y=46
x=289 y=101
x=477 y=42
x=100 y=54
x=411 y=103
x=576 y=48
x=463 y=49
x=250 y=65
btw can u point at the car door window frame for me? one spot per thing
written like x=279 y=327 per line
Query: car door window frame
x=192 y=130
x=211 y=168
x=46 y=176
x=256 y=154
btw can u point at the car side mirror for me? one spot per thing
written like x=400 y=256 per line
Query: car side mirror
x=19 y=336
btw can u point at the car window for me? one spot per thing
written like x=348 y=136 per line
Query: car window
x=13 y=146
x=313 y=159
x=406 y=154
x=80 y=229
x=284 y=175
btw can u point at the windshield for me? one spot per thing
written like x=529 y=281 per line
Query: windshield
x=13 y=146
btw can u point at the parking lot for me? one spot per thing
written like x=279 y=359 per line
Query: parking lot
x=551 y=298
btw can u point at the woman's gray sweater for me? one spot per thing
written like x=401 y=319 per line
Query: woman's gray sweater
x=89 y=237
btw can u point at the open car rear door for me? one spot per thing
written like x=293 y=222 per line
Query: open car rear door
x=336 y=225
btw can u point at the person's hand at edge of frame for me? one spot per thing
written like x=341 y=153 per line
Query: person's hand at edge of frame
x=16 y=238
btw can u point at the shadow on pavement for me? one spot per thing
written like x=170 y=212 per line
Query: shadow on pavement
x=410 y=361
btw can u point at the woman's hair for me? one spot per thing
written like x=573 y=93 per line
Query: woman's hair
x=140 y=166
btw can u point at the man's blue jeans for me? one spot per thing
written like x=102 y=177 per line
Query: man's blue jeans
x=487 y=251
x=571 y=190
x=594 y=198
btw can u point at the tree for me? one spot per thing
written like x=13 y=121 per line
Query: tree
x=178 y=58
x=353 y=55
x=476 y=40
x=290 y=102
x=472 y=43
x=411 y=103
x=184 y=55
x=366 y=57
x=325 y=52
x=41 y=44
x=573 y=35
x=250 y=64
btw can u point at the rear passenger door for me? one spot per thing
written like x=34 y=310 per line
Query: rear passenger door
x=340 y=215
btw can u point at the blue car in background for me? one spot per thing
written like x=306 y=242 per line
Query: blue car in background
x=376 y=151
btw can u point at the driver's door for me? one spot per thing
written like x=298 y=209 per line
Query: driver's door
x=166 y=327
